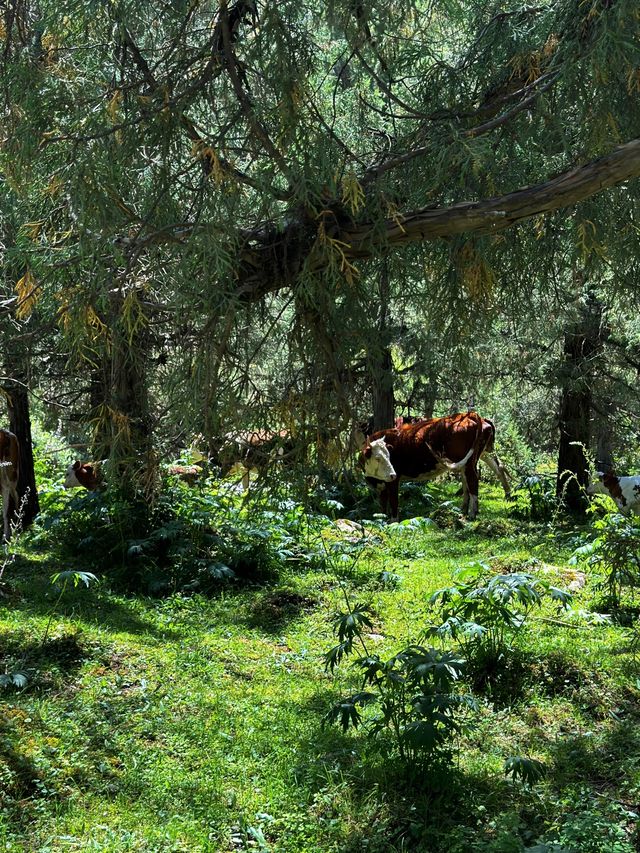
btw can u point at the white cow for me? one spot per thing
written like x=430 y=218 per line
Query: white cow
x=625 y=491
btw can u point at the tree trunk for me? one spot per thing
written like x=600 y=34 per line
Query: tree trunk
x=605 y=436
x=382 y=390
x=581 y=342
x=381 y=362
x=20 y=424
x=131 y=447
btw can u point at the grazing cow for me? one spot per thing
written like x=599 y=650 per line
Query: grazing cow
x=86 y=475
x=625 y=491
x=253 y=449
x=9 y=469
x=426 y=450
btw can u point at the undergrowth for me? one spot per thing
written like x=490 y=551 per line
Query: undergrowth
x=192 y=720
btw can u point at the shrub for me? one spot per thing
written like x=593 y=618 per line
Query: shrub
x=412 y=690
x=485 y=610
x=534 y=498
x=190 y=539
x=615 y=553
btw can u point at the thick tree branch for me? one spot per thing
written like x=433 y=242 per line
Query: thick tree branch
x=496 y=214
x=272 y=259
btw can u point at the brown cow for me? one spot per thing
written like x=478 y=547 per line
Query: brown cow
x=9 y=469
x=83 y=474
x=426 y=450
x=88 y=475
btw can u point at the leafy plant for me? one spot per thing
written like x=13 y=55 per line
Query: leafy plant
x=527 y=770
x=592 y=826
x=485 y=610
x=412 y=691
x=61 y=581
x=615 y=553
x=535 y=498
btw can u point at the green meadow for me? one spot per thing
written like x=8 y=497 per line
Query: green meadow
x=195 y=722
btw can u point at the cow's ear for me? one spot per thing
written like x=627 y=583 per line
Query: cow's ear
x=77 y=465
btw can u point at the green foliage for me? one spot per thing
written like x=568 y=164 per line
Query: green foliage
x=194 y=539
x=592 y=825
x=14 y=679
x=412 y=691
x=615 y=555
x=535 y=498
x=527 y=770
x=484 y=611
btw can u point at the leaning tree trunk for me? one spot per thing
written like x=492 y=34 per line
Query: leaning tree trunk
x=581 y=343
x=20 y=424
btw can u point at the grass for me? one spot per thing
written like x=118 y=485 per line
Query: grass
x=195 y=724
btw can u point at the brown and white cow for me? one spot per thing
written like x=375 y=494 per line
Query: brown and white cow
x=625 y=491
x=86 y=475
x=428 y=449
x=9 y=470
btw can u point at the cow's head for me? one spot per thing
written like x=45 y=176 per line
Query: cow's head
x=81 y=475
x=376 y=461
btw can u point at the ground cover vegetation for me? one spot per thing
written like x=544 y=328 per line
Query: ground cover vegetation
x=298 y=221
x=220 y=703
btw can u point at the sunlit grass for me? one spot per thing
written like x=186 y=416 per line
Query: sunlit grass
x=195 y=723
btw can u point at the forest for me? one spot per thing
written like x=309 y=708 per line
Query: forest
x=255 y=257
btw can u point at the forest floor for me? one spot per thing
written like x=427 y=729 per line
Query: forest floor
x=193 y=723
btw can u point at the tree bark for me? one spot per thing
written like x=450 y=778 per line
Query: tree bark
x=381 y=362
x=581 y=342
x=20 y=425
x=496 y=214
x=131 y=423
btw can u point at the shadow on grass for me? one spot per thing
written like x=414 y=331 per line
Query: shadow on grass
x=395 y=806
x=605 y=759
x=60 y=656
x=274 y=609
x=20 y=776
x=33 y=594
x=515 y=675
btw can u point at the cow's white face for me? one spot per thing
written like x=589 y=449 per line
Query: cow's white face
x=377 y=462
x=71 y=481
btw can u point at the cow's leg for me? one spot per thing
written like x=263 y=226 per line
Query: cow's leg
x=390 y=496
x=246 y=479
x=471 y=498
x=499 y=470
x=5 y=511
x=465 y=493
